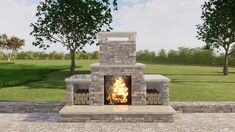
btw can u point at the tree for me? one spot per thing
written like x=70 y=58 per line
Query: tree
x=145 y=55
x=202 y=56
x=185 y=55
x=218 y=28
x=29 y=55
x=173 y=56
x=73 y=23
x=10 y=44
x=233 y=55
x=95 y=55
x=1 y=55
x=162 y=55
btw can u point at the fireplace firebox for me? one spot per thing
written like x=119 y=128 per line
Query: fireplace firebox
x=117 y=90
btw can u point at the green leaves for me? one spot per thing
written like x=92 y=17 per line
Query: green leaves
x=73 y=23
x=12 y=43
x=218 y=28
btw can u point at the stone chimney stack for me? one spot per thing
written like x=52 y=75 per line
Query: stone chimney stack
x=117 y=52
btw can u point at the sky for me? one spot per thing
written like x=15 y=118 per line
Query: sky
x=160 y=24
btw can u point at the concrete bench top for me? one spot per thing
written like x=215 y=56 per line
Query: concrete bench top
x=117 y=109
x=156 y=78
x=87 y=78
x=79 y=78
x=125 y=66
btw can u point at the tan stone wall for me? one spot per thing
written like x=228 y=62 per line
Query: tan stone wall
x=118 y=53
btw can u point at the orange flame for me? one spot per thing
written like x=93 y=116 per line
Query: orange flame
x=118 y=92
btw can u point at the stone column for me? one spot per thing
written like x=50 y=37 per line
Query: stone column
x=69 y=92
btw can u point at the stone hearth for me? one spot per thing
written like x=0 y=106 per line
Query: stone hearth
x=143 y=97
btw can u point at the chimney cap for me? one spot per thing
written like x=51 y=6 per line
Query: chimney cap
x=131 y=35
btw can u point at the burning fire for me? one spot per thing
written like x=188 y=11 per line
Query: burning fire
x=118 y=92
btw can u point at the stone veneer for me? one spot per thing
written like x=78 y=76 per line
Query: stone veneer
x=117 y=53
x=117 y=118
x=138 y=87
x=55 y=107
x=117 y=58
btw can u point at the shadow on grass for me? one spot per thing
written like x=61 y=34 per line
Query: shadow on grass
x=194 y=74
x=20 y=74
x=228 y=73
x=194 y=81
x=17 y=77
x=6 y=63
x=54 y=80
x=84 y=72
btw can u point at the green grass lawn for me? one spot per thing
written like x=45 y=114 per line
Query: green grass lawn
x=44 y=80
x=18 y=74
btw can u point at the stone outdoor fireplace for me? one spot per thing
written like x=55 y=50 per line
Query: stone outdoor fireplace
x=117 y=81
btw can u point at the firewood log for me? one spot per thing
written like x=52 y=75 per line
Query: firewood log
x=83 y=94
x=155 y=94
x=83 y=102
x=151 y=94
x=79 y=94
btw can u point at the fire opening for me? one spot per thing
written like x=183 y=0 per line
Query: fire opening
x=117 y=90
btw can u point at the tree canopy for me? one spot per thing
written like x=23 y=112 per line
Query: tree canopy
x=218 y=28
x=73 y=23
x=10 y=44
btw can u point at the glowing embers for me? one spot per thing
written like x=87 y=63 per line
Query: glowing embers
x=117 y=90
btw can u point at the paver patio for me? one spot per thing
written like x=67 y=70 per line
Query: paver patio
x=184 y=122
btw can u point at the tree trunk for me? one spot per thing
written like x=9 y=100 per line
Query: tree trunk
x=73 y=65
x=9 y=56
x=225 y=70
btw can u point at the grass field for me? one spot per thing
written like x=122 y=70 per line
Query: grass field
x=46 y=80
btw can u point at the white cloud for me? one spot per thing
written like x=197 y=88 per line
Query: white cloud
x=131 y=1
x=165 y=24
x=15 y=18
x=160 y=24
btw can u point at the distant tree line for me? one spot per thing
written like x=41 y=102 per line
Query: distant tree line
x=182 y=55
x=30 y=55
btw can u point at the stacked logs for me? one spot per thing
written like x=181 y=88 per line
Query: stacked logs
x=81 y=97
x=153 y=97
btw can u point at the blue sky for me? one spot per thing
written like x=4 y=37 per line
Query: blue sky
x=29 y=1
x=160 y=24
x=120 y=2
